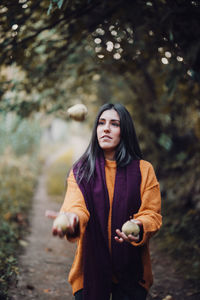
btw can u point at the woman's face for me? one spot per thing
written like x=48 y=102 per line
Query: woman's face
x=108 y=132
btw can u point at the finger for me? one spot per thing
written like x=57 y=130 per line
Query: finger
x=74 y=222
x=71 y=226
x=60 y=233
x=130 y=238
x=51 y=214
x=122 y=235
x=118 y=231
x=133 y=238
x=54 y=231
x=70 y=230
x=119 y=240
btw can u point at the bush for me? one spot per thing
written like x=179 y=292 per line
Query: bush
x=8 y=265
x=19 y=170
x=57 y=175
x=22 y=136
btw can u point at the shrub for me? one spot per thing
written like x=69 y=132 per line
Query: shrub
x=57 y=174
x=22 y=136
x=18 y=169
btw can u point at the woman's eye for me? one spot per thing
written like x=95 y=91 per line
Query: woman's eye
x=115 y=124
x=100 y=123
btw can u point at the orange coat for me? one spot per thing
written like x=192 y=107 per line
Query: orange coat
x=148 y=214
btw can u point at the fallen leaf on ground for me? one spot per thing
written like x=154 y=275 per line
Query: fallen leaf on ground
x=47 y=290
x=48 y=249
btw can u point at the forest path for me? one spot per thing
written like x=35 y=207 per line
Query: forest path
x=46 y=261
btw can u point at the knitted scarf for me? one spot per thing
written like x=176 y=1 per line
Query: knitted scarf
x=125 y=261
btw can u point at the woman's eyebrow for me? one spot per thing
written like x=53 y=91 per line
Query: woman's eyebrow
x=110 y=120
x=115 y=120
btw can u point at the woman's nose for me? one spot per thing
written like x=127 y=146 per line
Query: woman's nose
x=106 y=127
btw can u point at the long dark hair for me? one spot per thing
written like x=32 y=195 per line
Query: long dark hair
x=127 y=150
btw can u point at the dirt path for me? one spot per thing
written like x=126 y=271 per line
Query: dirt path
x=167 y=281
x=46 y=261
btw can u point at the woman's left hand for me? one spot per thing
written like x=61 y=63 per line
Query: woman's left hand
x=121 y=236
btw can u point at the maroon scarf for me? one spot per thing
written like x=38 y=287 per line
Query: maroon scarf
x=125 y=261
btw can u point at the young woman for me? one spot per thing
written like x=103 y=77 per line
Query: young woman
x=107 y=186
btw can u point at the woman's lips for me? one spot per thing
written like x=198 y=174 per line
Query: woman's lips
x=106 y=137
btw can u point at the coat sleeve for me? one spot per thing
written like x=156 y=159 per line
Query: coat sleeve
x=150 y=210
x=74 y=202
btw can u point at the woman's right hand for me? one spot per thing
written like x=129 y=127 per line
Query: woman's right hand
x=65 y=223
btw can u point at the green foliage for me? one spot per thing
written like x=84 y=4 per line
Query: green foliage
x=57 y=175
x=78 y=39
x=21 y=135
x=52 y=2
x=18 y=178
x=8 y=262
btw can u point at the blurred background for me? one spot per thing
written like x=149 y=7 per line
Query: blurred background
x=143 y=54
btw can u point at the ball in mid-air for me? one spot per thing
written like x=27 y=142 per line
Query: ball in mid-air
x=77 y=112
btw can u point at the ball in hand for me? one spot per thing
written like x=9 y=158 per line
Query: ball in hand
x=130 y=227
x=61 y=222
